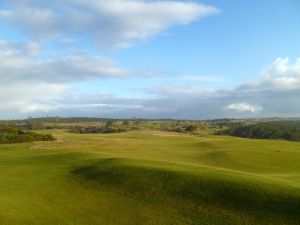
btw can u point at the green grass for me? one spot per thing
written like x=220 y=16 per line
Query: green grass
x=149 y=178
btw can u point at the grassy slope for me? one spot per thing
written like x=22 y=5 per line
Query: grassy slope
x=150 y=178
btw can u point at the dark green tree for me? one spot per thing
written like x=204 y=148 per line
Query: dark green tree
x=191 y=129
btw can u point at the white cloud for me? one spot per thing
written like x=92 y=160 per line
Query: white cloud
x=244 y=107
x=29 y=48
x=17 y=65
x=17 y=99
x=280 y=75
x=283 y=67
x=111 y=24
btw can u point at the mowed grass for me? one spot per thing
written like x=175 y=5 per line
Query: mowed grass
x=149 y=178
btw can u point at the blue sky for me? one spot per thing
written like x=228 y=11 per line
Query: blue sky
x=152 y=59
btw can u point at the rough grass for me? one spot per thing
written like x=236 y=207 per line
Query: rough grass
x=148 y=178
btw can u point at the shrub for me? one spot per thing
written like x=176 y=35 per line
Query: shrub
x=15 y=135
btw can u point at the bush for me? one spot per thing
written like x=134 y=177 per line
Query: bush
x=97 y=130
x=14 y=135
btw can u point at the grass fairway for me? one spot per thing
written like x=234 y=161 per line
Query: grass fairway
x=150 y=178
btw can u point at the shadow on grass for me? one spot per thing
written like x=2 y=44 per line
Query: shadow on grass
x=257 y=199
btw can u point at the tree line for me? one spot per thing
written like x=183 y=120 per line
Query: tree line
x=286 y=130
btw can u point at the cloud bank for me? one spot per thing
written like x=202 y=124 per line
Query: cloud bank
x=277 y=93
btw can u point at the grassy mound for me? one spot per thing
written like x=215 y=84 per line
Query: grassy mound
x=234 y=199
x=208 y=194
x=14 y=135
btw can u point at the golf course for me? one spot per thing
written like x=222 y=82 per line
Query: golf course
x=149 y=177
x=149 y=112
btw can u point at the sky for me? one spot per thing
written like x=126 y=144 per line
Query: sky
x=150 y=58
